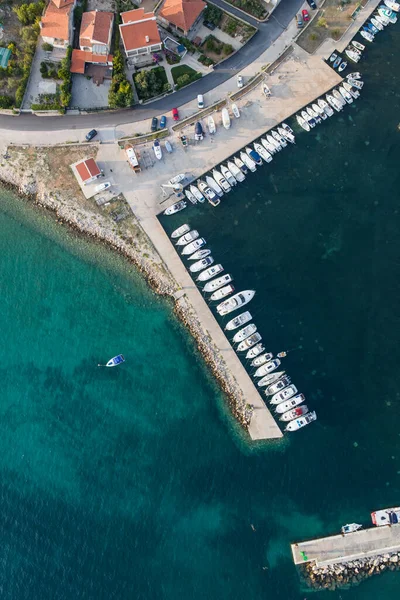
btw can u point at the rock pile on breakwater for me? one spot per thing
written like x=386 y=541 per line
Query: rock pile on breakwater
x=349 y=573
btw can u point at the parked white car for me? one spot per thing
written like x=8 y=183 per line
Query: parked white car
x=239 y=81
x=103 y=186
x=200 y=101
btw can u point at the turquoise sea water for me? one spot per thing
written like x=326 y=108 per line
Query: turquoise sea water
x=134 y=482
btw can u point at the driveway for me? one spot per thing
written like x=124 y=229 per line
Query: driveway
x=86 y=94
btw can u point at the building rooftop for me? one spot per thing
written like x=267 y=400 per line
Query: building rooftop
x=80 y=57
x=182 y=13
x=55 y=21
x=87 y=169
x=139 y=29
x=95 y=27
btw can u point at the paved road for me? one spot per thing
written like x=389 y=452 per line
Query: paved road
x=267 y=33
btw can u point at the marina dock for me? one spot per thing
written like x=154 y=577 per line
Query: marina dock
x=340 y=548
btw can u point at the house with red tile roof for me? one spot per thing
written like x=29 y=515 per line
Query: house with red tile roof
x=94 y=41
x=86 y=171
x=56 y=23
x=182 y=15
x=139 y=33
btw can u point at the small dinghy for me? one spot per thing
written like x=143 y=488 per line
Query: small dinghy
x=241 y=319
x=267 y=367
x=277 y=386
x=289 y=404
x=236 y=172
x=268 y=379
x=168 y=147
x=266 y=91
x=228 y=175
x=255 y=351
x=235 y=111
x=357 y=83
x=301 y=422
x=222 y=292
x=260 y=360
x=211 y=125
x=284 y=394
x=244 y=333
x=211 y=272
x=193 y=246
x=201 y=264
x=350 y=528
x=171 y=210
x=200 y=254
x=217 y=283
x=115 y=361
x=226 y=120
x=188 y=237
x=294 y=413
x=180 y=231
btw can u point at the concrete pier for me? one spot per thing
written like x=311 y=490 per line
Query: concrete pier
x=344 y=548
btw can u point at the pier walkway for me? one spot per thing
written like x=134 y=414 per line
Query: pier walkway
x=352 y=546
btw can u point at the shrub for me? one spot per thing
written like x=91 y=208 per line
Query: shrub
x=210 y=44
x=213 y=14
x=183 y=80
x=6 y=101
x=27 y=13
x=336 y=33
x=47 y=47
x=228 y=49
x=231 y=26
x=322 y=22
x=205 y=60
x=120 y=94
x=313 y=36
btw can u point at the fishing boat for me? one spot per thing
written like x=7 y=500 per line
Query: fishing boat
x=209 y=273
x=157 y=149
x=180 y=231
x=350 y=528
x=338 y=96
x=235 y=302
x=244 y=333
x=387 y=516
x=250 y=164
x=367 y=35
x=228 y=175
x=171 y=210
x=222 y=182
x=188 y=237
x=226 y=120
x=346 y=95
x=269 y=147
x=287 y=135
x=310 y=120
x=284 y=394
x=236 y=172
x=390 y=15
x=208 y=193
x=347 y=86
x=201 y=264
x=267 y=367
x=211 y=125
x=342 y=66
x=325 y=107
x=261 y=151
x=222 y=292
x=267 y=92
x=255 y=351
x=268 y=379
x=377 y=24
x=193 y=246
x=303 y=123
x=352 y=55
x=214 y=186
x=392 y=5
x=289 y=404
x=277 y=386
x=196 y=193
x=313 y=114
x=235 y=111
x=253 y=155
x=190 y=197
x=200 y=254
x=249 y=342
x=294 y=413
x=278 y=138
x=260 y=360
x=115 y=361
x=333 y=57
x=337 y=62
x=358 y=45
x=217 y=283
x=240 y=165
x=320 y=112
x=301 y=422
x=271 y=140
x=241 y=319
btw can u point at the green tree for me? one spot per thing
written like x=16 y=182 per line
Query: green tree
x=27 y=13
x=5 y=101
x=322 y=22
x=183 y=80
x=47 y=47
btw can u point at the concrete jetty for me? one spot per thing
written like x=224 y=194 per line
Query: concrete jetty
x=352 y=546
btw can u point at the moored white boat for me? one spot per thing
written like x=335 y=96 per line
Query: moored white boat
x=352 y=55
x=298 y=411
x=320 y=111
x=171 y=210
x=284 y=394
x=367 y=35
x=388 y=14
x=342 y=67
x=188 y=237
x=201 y=264
x=289 y=404
x=236 y=172
x=334 y=103
x=236 y=322
x=193 y=246
x=303 y=123
x=235 y=302
x=347 y=86
x=196 y=193
x=211 y=125
x=250 y=164
x=235 y=111
x=392 y=5
x=226 y=120
x=301 y=421
x=355 y=75
x=279 y=138
x=382 y=20
x=357 y=83
x=278 y=385
x=228 y=175
x=208 y=193
x=386 y=516
x=358 y=45
x=260 y=360
x=265 y=155
x=244 y=333
x=287 y=135
x=200 y=254
x=217 y=283
x=267 y=367
x=210 y=272
x=180 y=231
x=377 y=24
x=222 y=292
x=313 y=114
x=271 y=140
x=222 y=182
x=214 y=186
x=254 y=155
x=269 y=147
x=249 y=342
x=255 y=350
x=339 y=98
x=350 y=528
x=310 y=120
x=287 y=128
x=325 y=107
x=346 y=95
x=268 y=379
x=240 y=165
x=190 y=197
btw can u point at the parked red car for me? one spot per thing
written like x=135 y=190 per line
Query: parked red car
x=306 y=16
x=175 y=114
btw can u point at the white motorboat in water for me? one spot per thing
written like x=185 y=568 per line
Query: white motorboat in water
x=171 y=210
x=388 y=14
x=222 y=182
x=211 y=125
x=226 y=120
x=217 y=283
x=267 y=367
x=277 y=386
x=338 y=96
x=278 y=138
x=392 y=5
x=350 y=528
x=211 y=272
x=355 y=75
x=352 y=55
x=357 y=83
x=325 y=107
x=254 y=156
x=294 y=413
x=382 y=20
x=241 y=319
x=301 y=422
x=249 y=342
x=236 y=172
x=255 y=351
x=187 y=238
x=115 y=361
x=386 y=516
x=303 y=123
x=320 y=111
x=190 y=197
x=200 y=254
x=240 y=164
x=180 y=231
x=269 y=147
x=214 y=186
x=260 y=360
x=271 y=140
x=265 y=155
x=244 y=333
x=228 y=175
x=222 y=292
x=196 y=193
x=355 y=93
x=284 y=394
x=250 y=164
x=235 y=111
x=268 y=379
x=288 y=135
x=346 y=95
x=287 y=128
x=289 y=404
x=313 y=114
x=377 y=24
x=201 y=264
x=209 y=193
x=358 y=45
x=193 y=246
x=334 y=103
x=235 y=302
x=367 y=35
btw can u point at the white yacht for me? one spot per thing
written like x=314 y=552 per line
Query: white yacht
x=392 y=5
x=255 y=350
x=355 y=93
x=200 y=254
x=301 y=421
x=313 y=114
x=260 y=360
x=338 y=96
x=269 y=147
x=249 y=342
x=386 y=516
x=180 y=231
x=244 y=333
x=311 y=122
x=303 y=123
x=235 y=302
x=241 y=319
x=217 y=283
x=294 y=413
x=222 y=292
x=352 y=55
x=267 y=367
x=209 y=273
x=228 y=175
x=325 y=107
x=190 y=197
x=201 y=264
x=265 y=155
x=211 y=125
x=346 y=95
x=271 y=140
x=287 y=135
x=196 y=193
x=334 y=103
x=250 y=164
x=320 y=112
x=280 y=139
x=188 y=237
x=284 y=394
x=222 y=182
x=240 y=164
x=174 y=208
x=236 y=172
x=289 y=404
x=208 y=192
x=193 y=246
x=268 y=379
x=226 y=120
x=278 y=385
x=214 y=186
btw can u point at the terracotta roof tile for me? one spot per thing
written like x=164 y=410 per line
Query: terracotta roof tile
x=62 y=3
x=95 y=27
x=80 y=57
x=55 y=22
x=130 y=16
x=182 y=13
x=87 y=169
x=134 y=33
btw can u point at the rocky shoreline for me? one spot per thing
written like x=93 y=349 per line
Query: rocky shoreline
x=146 y=259
x=342 y=575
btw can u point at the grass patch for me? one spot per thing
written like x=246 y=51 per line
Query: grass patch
x=215 y=49
x=151 y=83
x=183 y=75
